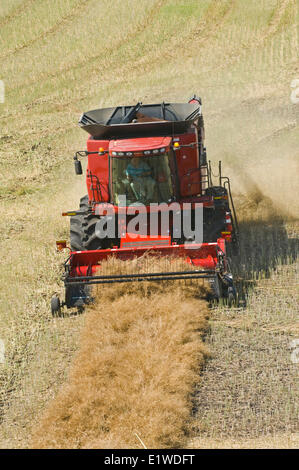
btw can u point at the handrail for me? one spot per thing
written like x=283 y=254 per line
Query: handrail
x=228 y=187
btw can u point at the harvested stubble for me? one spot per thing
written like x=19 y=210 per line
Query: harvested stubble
x=139 y=360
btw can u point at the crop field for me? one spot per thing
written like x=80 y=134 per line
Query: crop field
x=152 y=367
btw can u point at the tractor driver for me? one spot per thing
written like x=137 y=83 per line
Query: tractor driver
x=138 y=174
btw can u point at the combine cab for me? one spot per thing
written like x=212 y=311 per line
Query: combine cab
x=147 y=165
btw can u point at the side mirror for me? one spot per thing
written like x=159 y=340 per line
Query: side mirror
x=78 y=167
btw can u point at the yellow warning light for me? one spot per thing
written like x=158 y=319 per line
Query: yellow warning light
x=101 y=149
x=61 y=245
x=176 y=145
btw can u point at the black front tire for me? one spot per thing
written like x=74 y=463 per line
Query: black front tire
x=76 y=227
x=90 y=240
x=82 y=229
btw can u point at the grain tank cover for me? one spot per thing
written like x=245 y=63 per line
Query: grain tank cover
x=141 y=120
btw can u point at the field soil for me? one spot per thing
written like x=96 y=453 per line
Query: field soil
x=228 y=378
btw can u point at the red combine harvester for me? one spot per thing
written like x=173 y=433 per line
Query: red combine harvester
x=148 y=160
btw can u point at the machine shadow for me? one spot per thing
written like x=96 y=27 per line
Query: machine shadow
x=263 y=246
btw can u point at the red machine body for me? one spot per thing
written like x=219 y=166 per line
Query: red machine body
x=192 y=183
x=169 y=140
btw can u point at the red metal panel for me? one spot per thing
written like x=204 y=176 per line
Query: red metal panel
x=88 y=262
x=98 y=165
x=144 y=143
x=131 y=240
x=188 y=159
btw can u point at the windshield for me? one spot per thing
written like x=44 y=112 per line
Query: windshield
x=142 y=179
